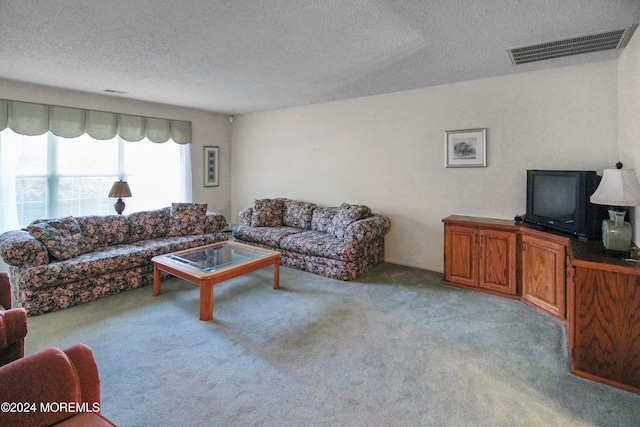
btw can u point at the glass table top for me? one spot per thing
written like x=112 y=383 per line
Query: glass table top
x=212 y=258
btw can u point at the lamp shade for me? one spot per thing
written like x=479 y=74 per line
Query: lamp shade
x=618 y=187
x=120 y=189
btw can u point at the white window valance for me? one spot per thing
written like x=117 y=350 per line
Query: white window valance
x=31 y=119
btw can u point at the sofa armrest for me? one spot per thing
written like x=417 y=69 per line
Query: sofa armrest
x=367 y=229
x=82 y=358
x=5 y=290
x=13 y=326
x=46 y=377
x=215 y=222
x=19 y=248
x=245 y=216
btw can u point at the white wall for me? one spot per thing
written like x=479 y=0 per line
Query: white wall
x=207 y=129
x=387 y=151
x=629 y=113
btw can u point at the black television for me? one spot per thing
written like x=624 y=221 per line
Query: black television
x=559 y=200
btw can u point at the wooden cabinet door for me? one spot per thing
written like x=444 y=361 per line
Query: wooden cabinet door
x=461 y=255
x=498 y=261
x=606 y=327
x=543 y=275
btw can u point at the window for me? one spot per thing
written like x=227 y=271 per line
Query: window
x=46 y=176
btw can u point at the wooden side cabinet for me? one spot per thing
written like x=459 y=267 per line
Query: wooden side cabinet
x=604 y=331
x=543 y=275
x=477 y=257
x=566 y=278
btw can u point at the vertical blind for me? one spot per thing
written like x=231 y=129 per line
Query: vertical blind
x=31 y=119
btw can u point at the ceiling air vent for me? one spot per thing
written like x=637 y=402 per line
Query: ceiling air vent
x=572 y=46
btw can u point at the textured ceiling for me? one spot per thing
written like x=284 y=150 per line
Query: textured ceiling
x=237 y=56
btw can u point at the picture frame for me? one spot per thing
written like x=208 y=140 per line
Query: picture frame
x=211 y=166
x=465 y=148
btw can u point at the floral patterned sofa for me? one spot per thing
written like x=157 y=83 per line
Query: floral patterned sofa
x=60 y=262
x=338 y=242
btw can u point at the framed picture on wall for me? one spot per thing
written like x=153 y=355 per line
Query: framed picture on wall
x=465 y=148
x=211 y=166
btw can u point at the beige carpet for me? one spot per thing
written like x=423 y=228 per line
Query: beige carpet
x=392 y=348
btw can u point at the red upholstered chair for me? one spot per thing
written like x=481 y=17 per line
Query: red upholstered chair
x=13 y=324
x=58 y=387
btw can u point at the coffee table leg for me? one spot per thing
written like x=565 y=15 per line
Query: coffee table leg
x=276 y=275
x=156 y=280
x=206 y=302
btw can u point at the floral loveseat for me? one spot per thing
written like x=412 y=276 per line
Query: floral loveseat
x=56 y=263
x=337 y=242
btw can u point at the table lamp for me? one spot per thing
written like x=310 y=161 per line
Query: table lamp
x=120 y=189
x=618 y=189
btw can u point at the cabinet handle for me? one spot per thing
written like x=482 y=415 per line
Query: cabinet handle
x=523 y=246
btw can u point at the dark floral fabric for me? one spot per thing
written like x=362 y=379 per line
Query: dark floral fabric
x=101 y=231
x=245 y=216
x=214 y=222
x=19 y=247
x=367 y=229
x=270 y=236
x=319 y=244
x=322 y=217
x=360 y=247
x=108 y=259
x=345 y=215
x=267 y=213
x=166 y=245
x=41 y=283
x=335 y=269
x=61 y=236
x=298 y=214
x=38 y=301
x=187 y=219
x=149 y=224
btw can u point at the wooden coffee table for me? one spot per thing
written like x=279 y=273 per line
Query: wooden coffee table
x=209 y=265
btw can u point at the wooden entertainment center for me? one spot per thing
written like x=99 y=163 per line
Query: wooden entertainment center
x=596 y=295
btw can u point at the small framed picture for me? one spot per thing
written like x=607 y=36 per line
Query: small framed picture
x=211 y=166
x=465 y=148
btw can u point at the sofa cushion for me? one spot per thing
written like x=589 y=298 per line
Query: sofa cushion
x=61 y=236
x=298 y=214
x=345 y=215
x=322 y=218
x=148 y=224
x=164 y=245
x=187 y=219
x=269 y=236
x=107 y=230
x=92 y=264
x=267 y=213
x=318 y=243
x=21 y=248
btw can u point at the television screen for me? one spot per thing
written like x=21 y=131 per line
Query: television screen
x=555 y=197
x=560 y=200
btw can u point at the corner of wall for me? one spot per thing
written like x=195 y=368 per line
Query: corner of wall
x=628 y=112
